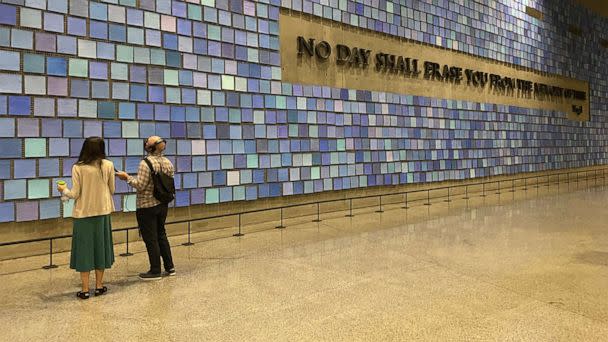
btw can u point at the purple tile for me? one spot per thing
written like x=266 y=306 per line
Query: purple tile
x=75 y=147
x=98 y=29
x=59 y=147
x=197 y=196
x=51 y=128
x=46 y=42
x=44 y=107
x=156 y=94
x=98 y=70
x=57 y=86
x=138 y=73
x=184 y=164
x=117 y=202
x=179 y=9
x=162 y=112
x=77 y=26
x=66 y=107
x=92 y=129
x=68 y=163
x=8 y=15
x=135 y=17
x=53 y=22
x=27 y=211
x=145 y=111
x=199 y=30
x=184 y=27
x=148 y=4
x=117 y=147
x=178 y=130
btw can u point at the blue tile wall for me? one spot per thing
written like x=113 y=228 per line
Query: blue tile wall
x=206 y=75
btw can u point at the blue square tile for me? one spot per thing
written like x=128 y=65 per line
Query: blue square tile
x=48 y=168
x=59 y=147
x=14 y=189
x=56 y=66
x=7 y=209
x=19 y=105
x=50 y=209
x=72 y=128
x=11 y=148
x=8 y=15
x=25 y=168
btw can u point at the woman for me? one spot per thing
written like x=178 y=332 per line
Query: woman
x=92 y=190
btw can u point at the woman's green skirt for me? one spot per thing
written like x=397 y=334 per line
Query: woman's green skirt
x=92 y=247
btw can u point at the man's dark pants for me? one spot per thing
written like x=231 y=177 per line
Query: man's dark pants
x=151 y=222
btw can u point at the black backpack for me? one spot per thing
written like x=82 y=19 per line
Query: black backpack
x=164 y=185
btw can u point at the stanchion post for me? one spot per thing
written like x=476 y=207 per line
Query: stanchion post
x=281 y=226
x=127 y=253
x=428 y=197
x=483 y=189
x=512 y=185
x=466 y=192
x=239 y=233
x=526 y=184
x=380 y=210
x=448 y=200
x=350 y=208
x=318 y=214
x=498 y=189
x=189 y=243
x=405 y=206
x=50 y=265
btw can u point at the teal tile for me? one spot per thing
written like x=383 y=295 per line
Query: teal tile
x=68 y=208
x=130 y=129
x=238 y=193
x=106 y=110
x=35 y=148
x=128 y=203
x=212 y=196
x=33 y=63
x=37 y=188
x=135 y=147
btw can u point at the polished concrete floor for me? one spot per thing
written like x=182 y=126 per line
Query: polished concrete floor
x=523 y=266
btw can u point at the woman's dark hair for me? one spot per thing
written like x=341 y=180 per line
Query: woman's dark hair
x=93 y=150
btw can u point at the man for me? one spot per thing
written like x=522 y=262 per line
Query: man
x=151 y=213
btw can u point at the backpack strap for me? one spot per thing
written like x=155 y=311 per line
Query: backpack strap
x=149 y=165
x=152 y=172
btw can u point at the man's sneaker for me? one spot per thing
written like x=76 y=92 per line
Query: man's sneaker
x=169 y=273
x=149 y=276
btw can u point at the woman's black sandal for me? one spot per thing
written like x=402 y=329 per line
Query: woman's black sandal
x=101 y=291
x=83 y=295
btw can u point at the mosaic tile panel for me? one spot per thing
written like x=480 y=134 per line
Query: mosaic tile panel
x=206 y=75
